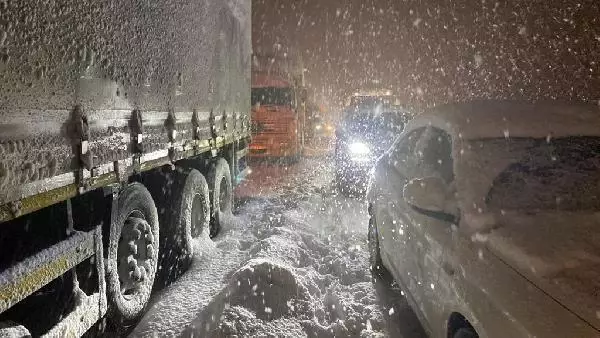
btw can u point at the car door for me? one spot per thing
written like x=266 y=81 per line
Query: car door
x=401 y=160
x=428 y=236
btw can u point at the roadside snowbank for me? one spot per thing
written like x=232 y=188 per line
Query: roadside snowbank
x=292 y=263
x=295 y=284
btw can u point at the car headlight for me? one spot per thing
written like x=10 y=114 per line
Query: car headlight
x=359 y=148
x=318 y=127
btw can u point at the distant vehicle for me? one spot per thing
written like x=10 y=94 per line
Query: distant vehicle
x=322 y=131
x=278 y=109
x=486 y=214
x=368 y=127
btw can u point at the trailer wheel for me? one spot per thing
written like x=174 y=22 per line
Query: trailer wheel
x=193 y=211
x=132 y=255
x=221 y=194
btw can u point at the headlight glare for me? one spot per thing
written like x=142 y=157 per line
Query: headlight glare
x=359 y=148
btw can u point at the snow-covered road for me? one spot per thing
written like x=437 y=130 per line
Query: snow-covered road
x=292 y=262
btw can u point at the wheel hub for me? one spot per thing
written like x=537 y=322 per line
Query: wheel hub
x=135 y=254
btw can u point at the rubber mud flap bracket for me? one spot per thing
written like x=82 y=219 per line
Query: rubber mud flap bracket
x=80 y=134
x=136 y=128
x=196 y=124
x=224 y=120
x=137 y=131
x=213 y=127
x=171 y=126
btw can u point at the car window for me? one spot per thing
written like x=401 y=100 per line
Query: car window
x=435 y=158
x=543 y=174
x=404 y=157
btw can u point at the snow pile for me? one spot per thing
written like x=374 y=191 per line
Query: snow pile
x=178 y=305
x=293 y=263
x=295 y=284
x=260 y=299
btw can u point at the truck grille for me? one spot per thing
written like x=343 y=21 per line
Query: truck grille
x=269 y=127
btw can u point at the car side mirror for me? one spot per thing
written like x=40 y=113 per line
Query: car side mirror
x=431 y=196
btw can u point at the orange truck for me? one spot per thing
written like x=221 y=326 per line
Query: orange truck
x=278 y=114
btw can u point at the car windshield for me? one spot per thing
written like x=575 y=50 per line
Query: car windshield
x=369 y=102
x=375 y=122
x=272 y=96
x=393 y=122
x=545 y=174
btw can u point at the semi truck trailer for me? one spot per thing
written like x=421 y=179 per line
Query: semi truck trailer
x=123 y=127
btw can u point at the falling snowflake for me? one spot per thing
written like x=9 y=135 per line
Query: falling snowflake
x=478 y=60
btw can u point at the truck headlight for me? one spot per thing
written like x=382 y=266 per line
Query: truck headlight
x=359 y=148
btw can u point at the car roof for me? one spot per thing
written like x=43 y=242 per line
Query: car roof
x=495 y=119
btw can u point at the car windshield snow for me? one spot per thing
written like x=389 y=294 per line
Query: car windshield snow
x=546 y=174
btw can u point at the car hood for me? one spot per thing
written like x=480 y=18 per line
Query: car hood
x=557 y=251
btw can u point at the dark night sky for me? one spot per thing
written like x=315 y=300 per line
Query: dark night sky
x=431 y=52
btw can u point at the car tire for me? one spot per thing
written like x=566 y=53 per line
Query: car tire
x=375 y=262
x=221 y=195
x=465 y=332
x=131 y=255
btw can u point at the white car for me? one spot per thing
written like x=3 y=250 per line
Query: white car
x=487 y=214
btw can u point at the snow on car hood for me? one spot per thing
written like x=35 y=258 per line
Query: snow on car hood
x=559 y=252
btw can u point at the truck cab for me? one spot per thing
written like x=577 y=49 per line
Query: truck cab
x=276 y=118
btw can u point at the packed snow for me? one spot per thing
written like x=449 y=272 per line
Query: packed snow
x=293 y=262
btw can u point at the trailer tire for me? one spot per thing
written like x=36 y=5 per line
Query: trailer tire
x=183 y=204
x=130 y=269
x=221 y=195
x=192 y=211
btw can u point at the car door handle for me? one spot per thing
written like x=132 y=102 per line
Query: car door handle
x=448 y=269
